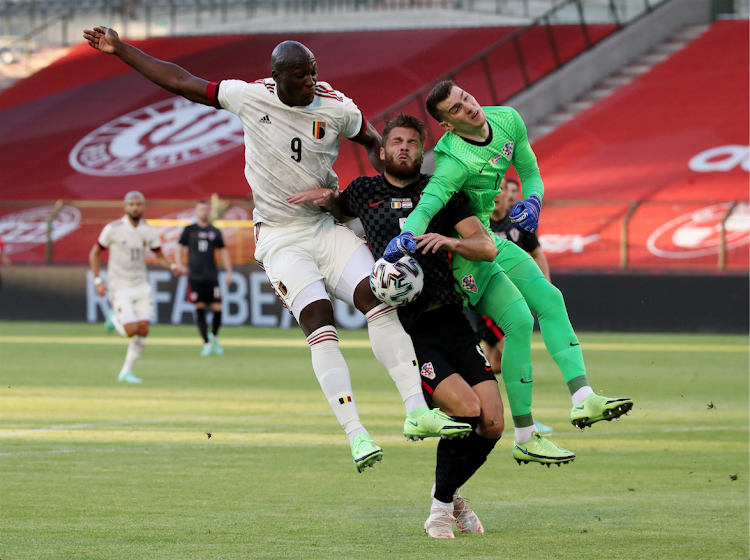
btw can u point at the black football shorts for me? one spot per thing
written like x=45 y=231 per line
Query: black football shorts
x=204 y=292
x=486 y=329
x=445 y=344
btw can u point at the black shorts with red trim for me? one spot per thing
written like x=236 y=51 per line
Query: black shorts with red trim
x=204 y=292
x=445 y=344
x=486 y=329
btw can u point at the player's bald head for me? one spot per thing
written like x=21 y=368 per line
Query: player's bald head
x=295 y=72
x=289 y=54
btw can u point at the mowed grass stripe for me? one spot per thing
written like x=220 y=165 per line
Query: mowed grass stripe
x=302 y=343
x=652 y=442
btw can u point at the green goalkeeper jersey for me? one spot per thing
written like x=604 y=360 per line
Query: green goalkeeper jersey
x=477 y=167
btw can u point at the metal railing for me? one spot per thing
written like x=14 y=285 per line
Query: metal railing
x=518 y=60
x=576 y=234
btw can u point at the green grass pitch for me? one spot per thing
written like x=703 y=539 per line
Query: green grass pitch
x=92 y=468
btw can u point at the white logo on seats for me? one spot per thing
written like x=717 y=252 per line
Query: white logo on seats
x=27 y=229
x=721 y=158
x=561 y=243
x=696 y=234
x=162 y=135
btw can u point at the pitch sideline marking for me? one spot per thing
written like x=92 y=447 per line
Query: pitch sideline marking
x=360 y=344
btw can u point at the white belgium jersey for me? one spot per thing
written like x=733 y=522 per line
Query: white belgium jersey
x=127 y=251
x=288 y=150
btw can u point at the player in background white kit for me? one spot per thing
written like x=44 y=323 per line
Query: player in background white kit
x=292 y=125
x=129 y=291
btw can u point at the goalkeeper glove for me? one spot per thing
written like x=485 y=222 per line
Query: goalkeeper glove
x=525 y=213
x=399 y=246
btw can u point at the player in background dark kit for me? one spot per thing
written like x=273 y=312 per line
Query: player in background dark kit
x=200 y=241
x=503 y=226
x=455 y=374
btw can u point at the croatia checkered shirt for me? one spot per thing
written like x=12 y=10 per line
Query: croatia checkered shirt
x=383 y=209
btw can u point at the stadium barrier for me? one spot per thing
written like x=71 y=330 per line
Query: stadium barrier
x=630 y=302
x=520 y=59
x=654 y=235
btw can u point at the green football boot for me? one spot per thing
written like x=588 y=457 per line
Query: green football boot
x=596 y=407
x=217 y=348
x=540 y=450
x=364 y=452
x=109 y=326
x=543 y=429
x=434 y=423
x=128 y=377
x=207 y=349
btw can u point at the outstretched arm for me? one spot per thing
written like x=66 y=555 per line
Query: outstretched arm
x=448 y=179
x=325 y=198
x=164 y=74
x=475 y=243
x=371 y=142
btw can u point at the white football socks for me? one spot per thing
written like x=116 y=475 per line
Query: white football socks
x=136 y=346
x=581 y=394
x=333 y=376
x=524 y=434
x=393 y=348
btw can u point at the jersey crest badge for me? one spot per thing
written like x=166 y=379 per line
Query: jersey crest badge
x=428 y=371
x=319 y=129
x=469 y=284
x=508 y=150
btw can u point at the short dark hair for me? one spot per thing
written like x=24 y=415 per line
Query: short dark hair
x=202 y=201
x=405 y=121
x=438 y=94
x=511 y=180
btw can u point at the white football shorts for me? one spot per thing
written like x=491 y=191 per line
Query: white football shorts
x=134 y=304
x=295 y=257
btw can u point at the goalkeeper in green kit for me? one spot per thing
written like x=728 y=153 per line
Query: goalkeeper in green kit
x=472 y=156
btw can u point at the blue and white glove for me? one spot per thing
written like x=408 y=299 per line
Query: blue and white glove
x=399 y=246
x=525 y=213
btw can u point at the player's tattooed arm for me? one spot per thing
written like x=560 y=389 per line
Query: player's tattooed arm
x=475 y=244
x=325 y=198
x=372 y=142
x=164 y=74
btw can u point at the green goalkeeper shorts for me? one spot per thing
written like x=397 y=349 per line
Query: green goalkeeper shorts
x=472 y=277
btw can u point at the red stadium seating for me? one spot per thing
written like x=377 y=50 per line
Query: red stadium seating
x=675 y=140
x=636 y=146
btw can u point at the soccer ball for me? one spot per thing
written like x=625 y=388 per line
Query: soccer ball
x=397 y=283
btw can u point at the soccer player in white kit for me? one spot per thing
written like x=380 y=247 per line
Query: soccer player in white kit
x=292 y=125
x=129 y=291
